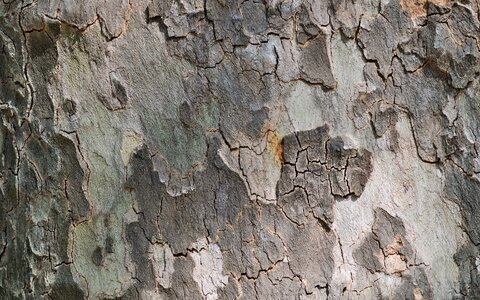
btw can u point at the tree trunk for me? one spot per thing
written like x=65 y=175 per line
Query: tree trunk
x=224 y=149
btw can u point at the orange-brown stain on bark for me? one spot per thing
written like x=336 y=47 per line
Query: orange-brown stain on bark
x=418 y=8
x=275 y=146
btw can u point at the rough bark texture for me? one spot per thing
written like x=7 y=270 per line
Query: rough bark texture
x=252 y=149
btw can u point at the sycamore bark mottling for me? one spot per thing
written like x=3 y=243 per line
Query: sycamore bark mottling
x=277 y=149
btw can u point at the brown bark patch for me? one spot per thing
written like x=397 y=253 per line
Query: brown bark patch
x=418 y=8
x=276 y=147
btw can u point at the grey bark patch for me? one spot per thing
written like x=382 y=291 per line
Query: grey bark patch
x=44 y=57
x=369 y=254
x=316 y=266
x=467 y=259
x=390 y=232
x=139 y=253
x=97 y=256
x=315 y=62
x=317 y=168
x=149 y=192
x=384 y=116
x=230 y=291
x=386 y=250
x=255 y=17
x=183 y=285
x=109 y=245
x=426 y=94
x=186 y=115
x=358 y=172
x=295 y=205
x=70 y=107
x=414 y=286
x=72 y=178
x=464 y=190
x=119 y=91
x=65 y=287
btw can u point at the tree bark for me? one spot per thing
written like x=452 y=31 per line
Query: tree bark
x=276 y=149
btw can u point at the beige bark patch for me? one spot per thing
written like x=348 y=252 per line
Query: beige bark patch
x=395 y=264
x=418 y=294
x=131 y=140
x=163 y=259
x=208 y=268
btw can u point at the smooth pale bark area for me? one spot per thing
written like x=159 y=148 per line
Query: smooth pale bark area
x=239 y=149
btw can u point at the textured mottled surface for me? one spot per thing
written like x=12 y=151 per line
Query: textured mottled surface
x=227 y=149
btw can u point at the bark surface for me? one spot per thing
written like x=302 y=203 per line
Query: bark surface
x=227 y=149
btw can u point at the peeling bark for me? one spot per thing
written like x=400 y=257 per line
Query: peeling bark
x=187 y=149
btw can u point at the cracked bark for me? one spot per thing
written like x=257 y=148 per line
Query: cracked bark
x=207 y=149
